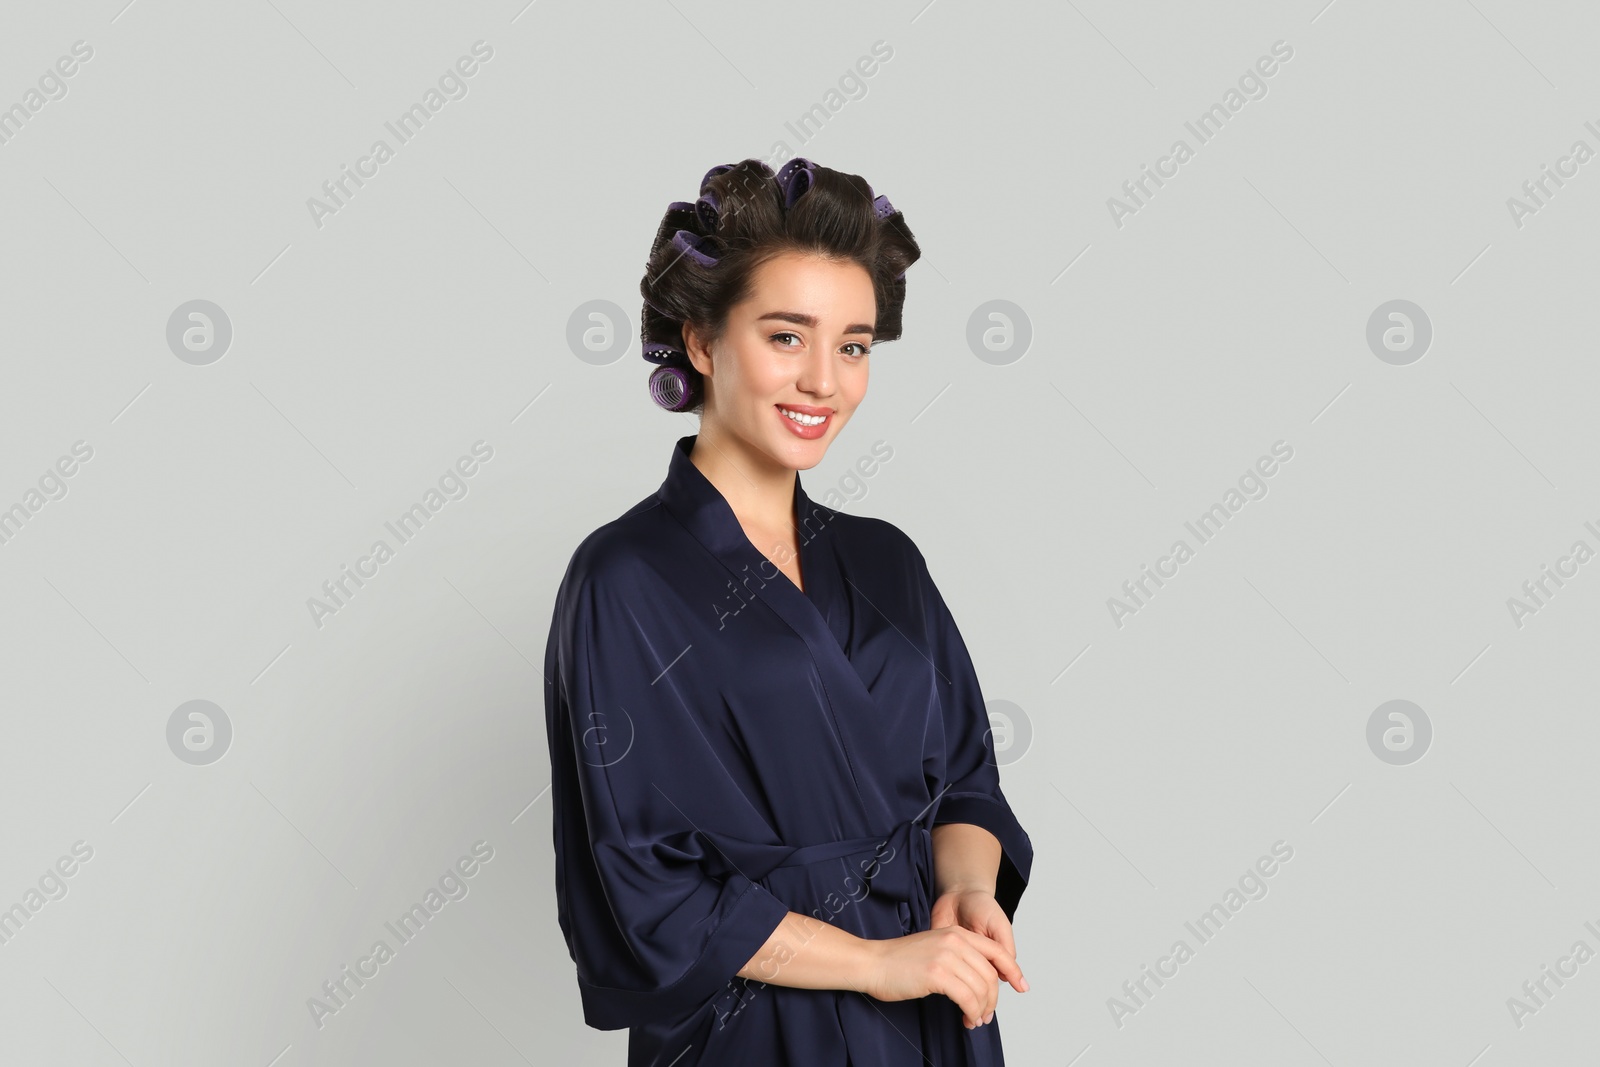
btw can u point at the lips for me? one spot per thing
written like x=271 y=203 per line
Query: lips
x=812 y=421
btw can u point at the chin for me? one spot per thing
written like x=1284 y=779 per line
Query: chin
x=800 y=454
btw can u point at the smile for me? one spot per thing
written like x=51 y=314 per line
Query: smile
x=808 y=425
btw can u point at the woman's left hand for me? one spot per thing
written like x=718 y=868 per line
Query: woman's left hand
x=978 y=911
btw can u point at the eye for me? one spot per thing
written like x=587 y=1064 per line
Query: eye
x=785 y=333
x=857 y=344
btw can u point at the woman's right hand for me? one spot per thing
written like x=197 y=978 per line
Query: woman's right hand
x=963 y=965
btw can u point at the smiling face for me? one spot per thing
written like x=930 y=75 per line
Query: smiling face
x=796 y=347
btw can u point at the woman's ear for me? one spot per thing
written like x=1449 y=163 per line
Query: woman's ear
x=698 y=349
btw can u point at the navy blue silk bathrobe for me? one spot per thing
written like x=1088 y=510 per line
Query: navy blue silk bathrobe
x=725 y=749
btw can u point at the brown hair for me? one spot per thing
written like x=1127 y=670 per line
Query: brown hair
x=746 y=215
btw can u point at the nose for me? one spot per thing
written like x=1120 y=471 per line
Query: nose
x=816 y=374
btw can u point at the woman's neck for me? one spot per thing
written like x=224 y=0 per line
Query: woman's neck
x=760 y=492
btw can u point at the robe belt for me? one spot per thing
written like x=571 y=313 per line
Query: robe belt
x=898 y=865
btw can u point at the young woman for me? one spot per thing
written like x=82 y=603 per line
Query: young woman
x=779 y=831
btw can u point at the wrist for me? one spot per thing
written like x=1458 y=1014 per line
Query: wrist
x=867 y=962
x=986 y=888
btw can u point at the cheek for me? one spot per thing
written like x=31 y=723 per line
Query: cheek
x=752 y=372
x=769 y=375
x=857 y=384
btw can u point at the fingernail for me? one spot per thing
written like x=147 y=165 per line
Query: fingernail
x=988 y=1018
x=1024 y=985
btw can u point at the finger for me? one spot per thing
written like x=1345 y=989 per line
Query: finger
x=991 y=988
x=988 y=981
x=1002 y=962
x=977 y=937
x=991 y=921
x=973 y=990
x=1019 y=981
x=1001 y=932
x=1003 y=959
x=1005 y=964
x=962 y=963
x=953 y=984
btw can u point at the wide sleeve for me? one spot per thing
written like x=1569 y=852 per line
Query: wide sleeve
x=655 y=919
x=970 y=776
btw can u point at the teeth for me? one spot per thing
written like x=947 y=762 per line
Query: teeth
x=805 y=420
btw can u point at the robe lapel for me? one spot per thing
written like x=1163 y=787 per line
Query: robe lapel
x=705 y=512
x=702 y=508
x=820 y=568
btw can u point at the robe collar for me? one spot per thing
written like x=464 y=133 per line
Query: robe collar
x=702 y=508
x=820 y=614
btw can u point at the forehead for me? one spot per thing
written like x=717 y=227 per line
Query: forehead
x=826 y=288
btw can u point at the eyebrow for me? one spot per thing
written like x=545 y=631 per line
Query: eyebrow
x=800 y=318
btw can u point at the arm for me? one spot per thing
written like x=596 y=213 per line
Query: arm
x=807 y=953
x=965 y=858
x=654 y=917
x=966 y=865
x=963 y=766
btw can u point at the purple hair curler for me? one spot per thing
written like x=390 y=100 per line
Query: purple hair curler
x=723 y=168
x=656 y=352
x=794 y=178
x=706 y=211
x=698 y=248
x=669 y=387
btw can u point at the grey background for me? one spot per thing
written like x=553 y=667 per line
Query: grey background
x=1167 y=754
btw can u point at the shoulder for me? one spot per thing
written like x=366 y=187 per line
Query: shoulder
x=878 y=532
x=618 y=554
x=868 y=538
